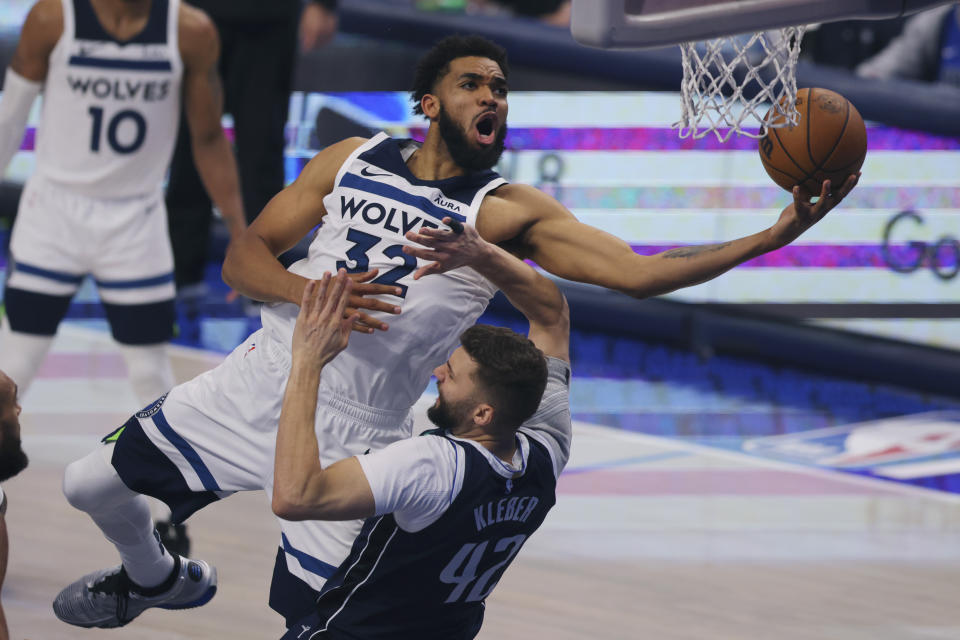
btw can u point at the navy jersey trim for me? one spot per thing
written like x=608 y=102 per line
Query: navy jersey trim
x=462 y=189
x=188 y=452
x=353 y=181
x=87 y=26
x=137 y=283
x=374 y=540
x=122 y=64
x=50 y=274
x=145 y=469
x=307 y=561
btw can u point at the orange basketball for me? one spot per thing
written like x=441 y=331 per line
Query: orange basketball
x=828 y=143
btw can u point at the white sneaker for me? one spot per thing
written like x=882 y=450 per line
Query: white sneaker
x=107 y=598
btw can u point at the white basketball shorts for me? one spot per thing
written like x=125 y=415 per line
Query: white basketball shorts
x=59 y=237
x=216 y=434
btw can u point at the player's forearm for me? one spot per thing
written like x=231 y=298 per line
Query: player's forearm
x=218 y=171
x=297 y=467
x=18 y=96
x=250 y=268
x=536 y=297
x=688 y=266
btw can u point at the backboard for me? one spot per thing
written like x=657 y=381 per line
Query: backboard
x=640 y=24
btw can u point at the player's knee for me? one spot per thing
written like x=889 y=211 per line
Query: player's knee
x=149 y=370
x=91 y=483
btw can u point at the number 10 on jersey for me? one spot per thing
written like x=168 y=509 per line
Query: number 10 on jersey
x=128 y=119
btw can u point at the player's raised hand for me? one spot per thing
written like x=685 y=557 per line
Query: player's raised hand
x=362 y=288
x=803 y=213
x=323 y=326
x=446 y=249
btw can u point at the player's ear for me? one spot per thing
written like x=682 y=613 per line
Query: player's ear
x=430 y=105
x=482 y=414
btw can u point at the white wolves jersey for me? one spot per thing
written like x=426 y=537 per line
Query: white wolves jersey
x=111 y=108
x=375 y=200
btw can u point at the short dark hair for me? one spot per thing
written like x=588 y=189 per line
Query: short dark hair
x=436 y=63
x=510 y=368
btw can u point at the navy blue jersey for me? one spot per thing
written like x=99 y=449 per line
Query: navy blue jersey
x=433 y=583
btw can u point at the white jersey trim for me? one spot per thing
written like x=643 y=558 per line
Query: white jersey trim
x=386 y=545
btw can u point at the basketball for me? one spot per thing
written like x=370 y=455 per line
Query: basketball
x=828 y=143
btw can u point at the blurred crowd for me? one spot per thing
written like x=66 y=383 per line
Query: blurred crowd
x=924 y=47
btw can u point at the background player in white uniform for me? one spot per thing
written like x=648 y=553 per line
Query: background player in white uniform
x=215 y=435
x=112 y=73
x=12 y=461
x=454 y=506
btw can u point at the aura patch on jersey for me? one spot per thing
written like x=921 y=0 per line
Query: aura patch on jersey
x=428 y=202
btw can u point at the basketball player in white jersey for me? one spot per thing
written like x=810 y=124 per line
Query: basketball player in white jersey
x=112 y=73
x=214 y=435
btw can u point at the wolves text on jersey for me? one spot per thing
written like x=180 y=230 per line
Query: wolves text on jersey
x=121 y=90
x=377 y=214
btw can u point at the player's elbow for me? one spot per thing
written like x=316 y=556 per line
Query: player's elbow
x=228 y=271
x=207 y=139
x=287 y=506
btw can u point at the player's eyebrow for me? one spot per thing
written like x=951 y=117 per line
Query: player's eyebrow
x=494 y=80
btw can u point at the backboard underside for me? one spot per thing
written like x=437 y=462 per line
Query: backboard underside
x=643 y=24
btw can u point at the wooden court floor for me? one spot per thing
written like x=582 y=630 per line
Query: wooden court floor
x=651 y=538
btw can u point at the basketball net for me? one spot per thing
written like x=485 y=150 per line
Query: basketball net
x=728 y=83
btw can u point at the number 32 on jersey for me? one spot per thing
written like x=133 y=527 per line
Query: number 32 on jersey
x=363 y=243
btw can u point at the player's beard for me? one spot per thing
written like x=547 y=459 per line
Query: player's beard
x=467 y=156
x=445 y=415
x=13 y=460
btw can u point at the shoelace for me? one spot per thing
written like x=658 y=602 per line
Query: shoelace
x=117 y=584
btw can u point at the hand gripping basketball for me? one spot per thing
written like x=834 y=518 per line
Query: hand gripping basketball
x=828 y=143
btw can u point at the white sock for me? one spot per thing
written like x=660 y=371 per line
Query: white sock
x=149 y=370
x=91 y=484
x=21 y=354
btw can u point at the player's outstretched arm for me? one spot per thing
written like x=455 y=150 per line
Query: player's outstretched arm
x=535 y=296
x=203 y=105
x=251 y=266
x=558 y=242
x=26 y=74
x=302 y=488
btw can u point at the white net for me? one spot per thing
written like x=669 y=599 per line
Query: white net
x=729 y=82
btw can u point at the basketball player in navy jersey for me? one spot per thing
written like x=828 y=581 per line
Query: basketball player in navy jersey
x=448 y=511
x=215 y=435
x=112 y=74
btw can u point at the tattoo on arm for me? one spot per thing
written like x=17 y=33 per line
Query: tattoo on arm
x=689 y=252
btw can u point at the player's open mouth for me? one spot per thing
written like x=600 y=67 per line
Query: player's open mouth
x=486 y=128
